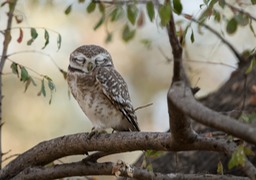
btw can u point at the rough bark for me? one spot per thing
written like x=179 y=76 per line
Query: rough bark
x=228 y=98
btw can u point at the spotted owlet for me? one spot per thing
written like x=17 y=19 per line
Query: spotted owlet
x=100 y=90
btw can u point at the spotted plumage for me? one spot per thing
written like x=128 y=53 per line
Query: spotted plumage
x=100 y=90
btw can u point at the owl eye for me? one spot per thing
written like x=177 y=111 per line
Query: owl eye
x=80 y=60
x=102 y=61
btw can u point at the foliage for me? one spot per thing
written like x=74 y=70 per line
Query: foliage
x=21 y=71
x=239 y=156
x=148 y=157
x=132 y=14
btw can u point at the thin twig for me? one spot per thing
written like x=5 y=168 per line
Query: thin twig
x=144 y=106
x=9 y=157
x=32 y=70
x=210 y=62
x=120 y=2
x=35 y=51
x=239 y=10
x=7 y=40
x=231 y=47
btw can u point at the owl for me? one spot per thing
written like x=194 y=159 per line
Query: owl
x=100 y=90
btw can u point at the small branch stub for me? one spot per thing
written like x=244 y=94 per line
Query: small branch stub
x=122 y=168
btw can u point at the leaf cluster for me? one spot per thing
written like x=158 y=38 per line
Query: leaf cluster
x=34 y=36
x=131 y=14
x=24 y=76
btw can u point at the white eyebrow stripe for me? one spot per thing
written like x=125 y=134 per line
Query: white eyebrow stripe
x=79 y=56
x=101 y=56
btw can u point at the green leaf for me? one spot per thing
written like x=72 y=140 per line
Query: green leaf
x=253 y=1
x=248 y=118
x=147 y=43
x=42 y=90
x=3 y=3
x=101 y=8
x=152 y=153
x=177 y=6
x=128 y=34
x=14 y=67
x=116 y=14
x=149 y=167
x=99 y=23
x=109 y=37
x=242 y=19
x=46 y=38
x=28 y=82
x=220 y=168
x=217 y=16
x=81 y=1
x=51 y=85
x=24 y=76
x=164 y=13
x=132 y=13
x=59 y=41
x=150 y=10
x=30 y=42
x=64 y=73
x=192 y=38
x=33 y=33
x=68 y=10
x=238 y=158
x=231 y=26
x=222 y=3
x=91 y=7
x=205 y=14
x=251 y=66
x=251 y=27
x=248 y=151
x=213 y=2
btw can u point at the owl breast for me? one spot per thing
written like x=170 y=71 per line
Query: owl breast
x=96 y=106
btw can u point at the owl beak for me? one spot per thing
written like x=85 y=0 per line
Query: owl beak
x=89 y=66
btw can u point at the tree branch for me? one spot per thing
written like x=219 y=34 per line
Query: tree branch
x=183 y=99
x=7 y=40
x=180 y=124
x=231 y=47
x=176 y=50
x=108 y=168
x=77 y=144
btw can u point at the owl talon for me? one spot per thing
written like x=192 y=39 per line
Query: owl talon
x=91 y=134
x=96 y=133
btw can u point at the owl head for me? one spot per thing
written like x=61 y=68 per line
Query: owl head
x=86 y=58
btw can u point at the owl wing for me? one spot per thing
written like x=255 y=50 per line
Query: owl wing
x=115 y=89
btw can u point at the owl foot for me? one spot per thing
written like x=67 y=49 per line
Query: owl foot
x=96 y=132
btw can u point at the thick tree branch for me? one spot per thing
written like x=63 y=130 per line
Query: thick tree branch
x=108 y=168
x=48 y=151
x=180 y=124
x=176 y=50
x=184 y=100
x=78 y=144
